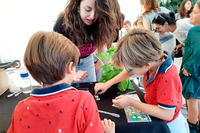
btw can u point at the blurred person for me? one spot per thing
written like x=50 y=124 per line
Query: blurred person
x=185 y=9
x=190 y=73
x=127 y=26
x=150 y=9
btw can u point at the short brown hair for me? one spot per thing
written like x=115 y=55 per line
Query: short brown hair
x=47 y=55
x=137 y=48
x=127 y=22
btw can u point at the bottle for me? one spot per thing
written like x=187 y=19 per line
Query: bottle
x=25 y=84
x=13 y=78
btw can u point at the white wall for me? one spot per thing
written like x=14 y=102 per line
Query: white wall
x=19 y=19
x=130 y=8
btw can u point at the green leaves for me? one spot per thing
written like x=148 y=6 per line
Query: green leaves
x=111 y=71
x=172 y=5
x=103 y=56
x=129 y=85
x=122 y=85
x=107 y=56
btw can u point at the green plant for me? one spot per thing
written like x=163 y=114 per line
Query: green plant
x=172 y=5
x=110 y=71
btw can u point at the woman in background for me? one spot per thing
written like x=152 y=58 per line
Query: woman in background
x=150 y=9
x=167 y=23
x=185 y=9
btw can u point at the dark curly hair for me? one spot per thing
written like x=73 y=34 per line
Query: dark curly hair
x=102 y=30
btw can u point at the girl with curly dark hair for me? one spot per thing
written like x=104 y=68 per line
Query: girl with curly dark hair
x=90 y=25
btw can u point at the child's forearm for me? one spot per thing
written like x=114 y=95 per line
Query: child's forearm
x=153 y=110
x=120 y=77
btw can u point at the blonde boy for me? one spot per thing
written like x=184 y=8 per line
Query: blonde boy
x=140 y=53
x=127 y=26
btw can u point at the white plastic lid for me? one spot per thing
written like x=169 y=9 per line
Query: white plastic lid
x=11 y=69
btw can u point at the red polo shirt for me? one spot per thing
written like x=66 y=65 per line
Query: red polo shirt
x=57 y=109
x=164 y=87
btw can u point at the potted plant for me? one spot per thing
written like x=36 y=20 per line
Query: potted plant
x=110 y=71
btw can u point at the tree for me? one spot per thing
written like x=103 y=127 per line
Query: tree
x=172 y=5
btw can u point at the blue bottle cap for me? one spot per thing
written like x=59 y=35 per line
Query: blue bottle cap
x=24 y=74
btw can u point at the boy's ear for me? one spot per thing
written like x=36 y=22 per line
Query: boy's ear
x=69 y=68
x=148 y=65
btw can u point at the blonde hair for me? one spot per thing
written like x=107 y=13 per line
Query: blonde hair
x=137 y=48
x=47 y=55
x=138 y=22
x=127 y=22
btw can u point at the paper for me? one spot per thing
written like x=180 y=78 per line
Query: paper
x=135 y=115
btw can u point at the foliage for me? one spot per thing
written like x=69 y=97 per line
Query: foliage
x=111 y=71
x=172 y=5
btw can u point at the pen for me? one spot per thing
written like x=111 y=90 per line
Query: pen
x=108 y=113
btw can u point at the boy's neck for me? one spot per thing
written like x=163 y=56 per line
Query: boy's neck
x=154 y=67
x=57 y=83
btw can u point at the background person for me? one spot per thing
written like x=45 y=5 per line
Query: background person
x=185 y=9
x=190 y=74
x=138 y=23
x=150 y=9
x=179 y=29
x=127 y=26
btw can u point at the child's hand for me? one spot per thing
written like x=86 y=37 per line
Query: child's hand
x=102 y=87
x=122 y=101
x=185 y=72
x=80 y=75
x=109 y=126
x=97 y=66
